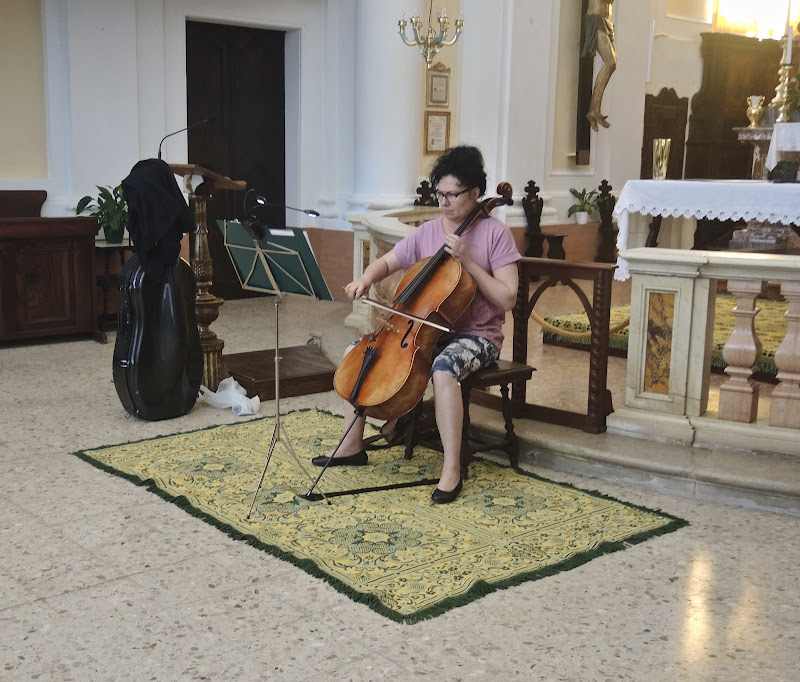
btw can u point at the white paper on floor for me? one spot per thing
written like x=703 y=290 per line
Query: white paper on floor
x=230 y=393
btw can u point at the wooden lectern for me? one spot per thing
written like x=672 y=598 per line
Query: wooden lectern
x=207 y=305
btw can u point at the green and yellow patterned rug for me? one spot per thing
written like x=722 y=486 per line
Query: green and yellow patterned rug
x=770 y=326
x=392 y=550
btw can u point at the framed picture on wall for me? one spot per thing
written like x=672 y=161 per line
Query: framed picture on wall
x=437 y=131
x=438 y=86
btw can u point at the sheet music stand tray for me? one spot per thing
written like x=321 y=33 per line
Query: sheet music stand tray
x=287 y=265
x=276 y=262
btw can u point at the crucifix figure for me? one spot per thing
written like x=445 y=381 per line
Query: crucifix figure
x=599 y=39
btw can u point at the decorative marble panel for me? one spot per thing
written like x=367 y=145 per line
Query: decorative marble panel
x=658 y=349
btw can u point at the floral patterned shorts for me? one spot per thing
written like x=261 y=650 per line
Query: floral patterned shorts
x=464 y=355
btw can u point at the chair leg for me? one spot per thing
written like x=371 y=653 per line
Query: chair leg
x=512 y=440
x=412 y=430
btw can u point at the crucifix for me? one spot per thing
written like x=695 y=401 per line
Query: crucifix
x=597 y=37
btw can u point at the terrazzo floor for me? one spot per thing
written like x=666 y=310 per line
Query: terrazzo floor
x=101 y=580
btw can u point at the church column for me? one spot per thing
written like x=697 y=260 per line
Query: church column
x=388 y=108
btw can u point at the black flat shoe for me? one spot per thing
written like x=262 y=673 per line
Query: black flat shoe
x=442 y=497
x=357 y=460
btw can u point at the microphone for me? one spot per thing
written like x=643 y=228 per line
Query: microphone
x=207 y=119
x=261 y=201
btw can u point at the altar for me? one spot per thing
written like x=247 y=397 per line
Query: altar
x=681 y=202
x=784 y=144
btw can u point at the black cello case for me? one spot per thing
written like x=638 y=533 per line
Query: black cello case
x=158 y=361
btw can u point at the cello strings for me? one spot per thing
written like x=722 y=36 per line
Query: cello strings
x=434 y=260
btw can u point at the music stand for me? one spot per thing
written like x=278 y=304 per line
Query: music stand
x=277 y=262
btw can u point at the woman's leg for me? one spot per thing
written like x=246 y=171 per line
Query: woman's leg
x=449 y=421
x=460 y=358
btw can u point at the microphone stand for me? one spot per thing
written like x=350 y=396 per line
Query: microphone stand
x=255 y=231
x=207 y=119
x=278 y=432
x=261 y=201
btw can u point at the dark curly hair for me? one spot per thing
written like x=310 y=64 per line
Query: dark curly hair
x=464 y=163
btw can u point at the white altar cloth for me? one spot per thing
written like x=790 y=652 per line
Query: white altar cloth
x=688 y=200
x=785 y=138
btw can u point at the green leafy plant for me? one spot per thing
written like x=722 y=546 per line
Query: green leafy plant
x=109 y=208
x=585 y=201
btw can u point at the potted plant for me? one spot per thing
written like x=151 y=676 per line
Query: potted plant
x=110 y=210
x=585 y=203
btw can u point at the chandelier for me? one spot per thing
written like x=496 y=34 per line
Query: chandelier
x=431 y=43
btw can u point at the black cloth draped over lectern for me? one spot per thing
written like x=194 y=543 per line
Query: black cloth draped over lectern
x=158 y=216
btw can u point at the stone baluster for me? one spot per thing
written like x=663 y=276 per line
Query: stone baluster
x=785 y=410
x=738 y=396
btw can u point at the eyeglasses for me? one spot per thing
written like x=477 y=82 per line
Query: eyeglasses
x=451 y=196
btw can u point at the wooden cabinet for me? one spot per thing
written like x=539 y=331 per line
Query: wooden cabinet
x=734 y=67
x=664 y=117
x=47 y=284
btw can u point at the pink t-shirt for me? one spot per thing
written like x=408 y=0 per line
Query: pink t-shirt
x=490 y=244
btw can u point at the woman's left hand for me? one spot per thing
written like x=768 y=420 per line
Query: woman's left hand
x=455 y=247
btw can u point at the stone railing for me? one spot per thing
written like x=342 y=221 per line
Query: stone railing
x=673 y=294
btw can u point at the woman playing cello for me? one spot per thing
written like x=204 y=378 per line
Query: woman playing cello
x=486 y=250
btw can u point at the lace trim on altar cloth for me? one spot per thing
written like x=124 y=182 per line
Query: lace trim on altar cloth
x=749 y=200
x=760 y=213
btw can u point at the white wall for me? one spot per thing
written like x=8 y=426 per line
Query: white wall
x=121 y=87
x=103 y=97
x=544 y=56
x=115 y=84
x=676 y=59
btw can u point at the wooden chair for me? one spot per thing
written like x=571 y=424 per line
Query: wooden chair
x=420 y=427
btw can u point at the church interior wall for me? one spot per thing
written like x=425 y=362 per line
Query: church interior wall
x=675 y=60
x=447 y=58
x=513 y=76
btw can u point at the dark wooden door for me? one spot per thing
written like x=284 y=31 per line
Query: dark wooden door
x=237 y=73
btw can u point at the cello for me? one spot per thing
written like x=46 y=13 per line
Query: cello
x=385 y=375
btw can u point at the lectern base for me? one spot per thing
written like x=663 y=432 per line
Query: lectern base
x=303 y=370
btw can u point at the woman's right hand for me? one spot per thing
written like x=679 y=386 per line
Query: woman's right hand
x=373 y=273
x=357 y=289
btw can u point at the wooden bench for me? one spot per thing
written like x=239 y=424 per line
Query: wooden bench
x=421 y=426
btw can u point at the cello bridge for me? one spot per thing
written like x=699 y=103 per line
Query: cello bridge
x=385 y=323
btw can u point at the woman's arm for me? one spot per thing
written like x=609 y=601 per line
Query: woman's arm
x=499 y=288
x=375 y=272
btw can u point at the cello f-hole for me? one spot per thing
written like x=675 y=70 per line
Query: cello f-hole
x=403 y=342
